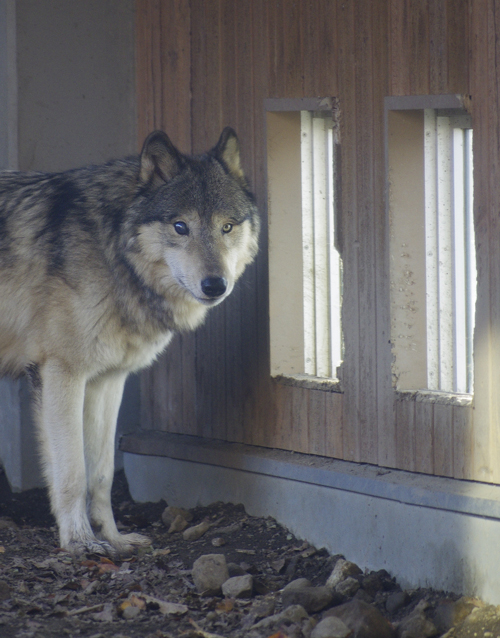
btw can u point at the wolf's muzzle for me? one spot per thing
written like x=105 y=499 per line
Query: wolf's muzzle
x=214 y=286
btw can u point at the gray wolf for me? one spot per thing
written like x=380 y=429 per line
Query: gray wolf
x=99 y=267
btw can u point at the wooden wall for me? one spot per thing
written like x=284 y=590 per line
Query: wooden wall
x=204 y=65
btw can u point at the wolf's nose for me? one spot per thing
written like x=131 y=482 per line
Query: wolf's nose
x=214 y=286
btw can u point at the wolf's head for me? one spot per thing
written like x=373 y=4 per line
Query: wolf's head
x=196 y=223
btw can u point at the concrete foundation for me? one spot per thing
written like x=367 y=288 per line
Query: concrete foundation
x=427 y=531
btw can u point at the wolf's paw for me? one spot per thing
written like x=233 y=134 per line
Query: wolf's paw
x=80 y=547
x=125 y=544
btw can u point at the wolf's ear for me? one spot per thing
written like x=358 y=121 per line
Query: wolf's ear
x=160 y=160
x=227 y=150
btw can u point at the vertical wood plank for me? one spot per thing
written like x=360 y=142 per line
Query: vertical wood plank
x=334 y=425
x=458 y=47
x=419 y=47
x=317 y=419
x=399 y=50
x=424 y=437
x=493 y=126
x=282 y=436
x=175 y=60
x=292 y=38
x=276 y=63
x=386 y=425
x=405 y=435
x=443 y=440
x=350 y=310
x=438 y=63
x=300 y=420
x=480 y=76
x=463 y=443
x=366 y=365
x=258 y=419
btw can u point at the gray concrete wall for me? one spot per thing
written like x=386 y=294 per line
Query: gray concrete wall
x=67 y=98
x=425 y=530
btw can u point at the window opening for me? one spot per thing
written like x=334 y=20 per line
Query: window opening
x=304 y=263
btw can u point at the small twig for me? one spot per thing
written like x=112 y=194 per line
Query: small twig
x=84 y=610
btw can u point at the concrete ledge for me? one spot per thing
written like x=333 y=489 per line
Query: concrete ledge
x=427 y=531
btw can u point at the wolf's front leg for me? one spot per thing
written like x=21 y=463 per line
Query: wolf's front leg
x=102 y=402
x=59 y=399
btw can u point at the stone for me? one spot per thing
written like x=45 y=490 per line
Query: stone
x=235 y=570
x=347 y=587
x=262 y=608
x=218 y=541
x=342 y=570
x=130 y=612
x=450 y=613
x=298 y=583
x=372 y=584
x=209 y=573
x=170 y=513
x=331 y=628
x=312 y=599
x=364 y=620
x=196 y=532
x=294 y=614
x=179 y=524
x=397 y=601
x=238 y=587
x=416 y=625
x=361 y=594
x=481 y=622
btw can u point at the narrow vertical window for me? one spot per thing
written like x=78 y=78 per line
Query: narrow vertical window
x=305 y=266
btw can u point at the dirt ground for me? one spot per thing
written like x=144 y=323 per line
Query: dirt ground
x=47 y=592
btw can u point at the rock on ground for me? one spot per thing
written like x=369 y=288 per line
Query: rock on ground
x=210 y=573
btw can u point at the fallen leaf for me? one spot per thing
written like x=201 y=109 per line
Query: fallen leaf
x=123 y=606
x=2 y=549
x=84 y=610
x=224 y=606
x=136 y=601
x=166 y=608
x=107 y=561
x=280 y=634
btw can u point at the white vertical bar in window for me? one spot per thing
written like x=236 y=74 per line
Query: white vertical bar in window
x=321 y=270
x=334 y=262
x=445 y=253
x=459 y=279
x=306 y=150
x=431 y=249
x=470 y=251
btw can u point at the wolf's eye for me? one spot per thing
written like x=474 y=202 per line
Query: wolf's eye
x=227 y=228
x=181 y=228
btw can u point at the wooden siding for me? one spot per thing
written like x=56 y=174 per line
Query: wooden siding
x=204 y=65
